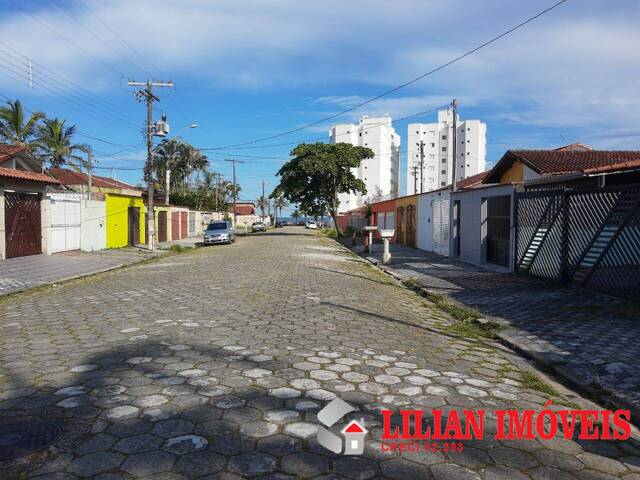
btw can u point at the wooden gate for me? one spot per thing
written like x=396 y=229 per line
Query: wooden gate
x=22 y=224
x=400 y=225
x=410 y=239
x=175 y=225
x=134 y=226
x=184 y=224
x=162 y=226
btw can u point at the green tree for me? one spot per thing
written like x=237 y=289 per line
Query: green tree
x=15 y=128
x=296 y=215
x=280 y=203
x=54 y=144
x=263 y=204
x=318 y=173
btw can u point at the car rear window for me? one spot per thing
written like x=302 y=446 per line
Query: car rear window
x=217 y=226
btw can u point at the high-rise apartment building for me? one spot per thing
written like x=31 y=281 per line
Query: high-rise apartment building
x=380 y=174
x=435 y=170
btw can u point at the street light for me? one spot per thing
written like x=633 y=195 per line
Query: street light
x=166 y=167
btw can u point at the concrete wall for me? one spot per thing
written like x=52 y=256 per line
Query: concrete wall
x=93 y=229
x=473 y=216
x=117 y=219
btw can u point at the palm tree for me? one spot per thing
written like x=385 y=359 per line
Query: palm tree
x=281 y=203
x=13 y=127
x=166 y=155
x=263 y=204
x=54 y=144
x=295 y=214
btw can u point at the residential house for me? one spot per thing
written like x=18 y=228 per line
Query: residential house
x=124 y=207
x=23 y=204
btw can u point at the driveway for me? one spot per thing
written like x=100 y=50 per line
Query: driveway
x=213 y=364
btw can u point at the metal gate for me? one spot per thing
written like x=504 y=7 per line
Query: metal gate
x=64 y=215
x=184 y=219
x=589 y=238
x=498 y=229
x=162 y=226
x=175 y=225
x=192 y=224
x=23 y=231
x=410 y=239
x=440 y=216
x=134 y=226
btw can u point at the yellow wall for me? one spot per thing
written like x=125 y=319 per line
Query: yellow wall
x=515 y=174
x=118 y=219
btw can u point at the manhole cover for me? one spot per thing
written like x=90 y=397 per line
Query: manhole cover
x=22 y=438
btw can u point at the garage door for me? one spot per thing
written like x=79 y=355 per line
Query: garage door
x=184 y=219
x=64 y=233
x=22 y=224
x=175 y=225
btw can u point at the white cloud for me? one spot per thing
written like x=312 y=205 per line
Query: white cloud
x=573 y=69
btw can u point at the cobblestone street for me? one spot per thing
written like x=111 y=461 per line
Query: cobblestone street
x=213 y=364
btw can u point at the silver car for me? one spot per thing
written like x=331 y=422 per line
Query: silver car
x=219 y=231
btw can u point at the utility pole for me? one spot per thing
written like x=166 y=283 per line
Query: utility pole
x=235 y=189
x=148 y=96
x=415 y=178
x=89 y=172
x=263 y=199
x=454 y=107
x=217 y=194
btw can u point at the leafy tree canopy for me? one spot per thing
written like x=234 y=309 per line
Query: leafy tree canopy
x=318 y=173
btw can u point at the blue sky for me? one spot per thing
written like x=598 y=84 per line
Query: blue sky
x=249 y=69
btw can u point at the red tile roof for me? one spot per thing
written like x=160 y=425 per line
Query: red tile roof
x=471 y=181
x=24 y=175
x=245 y=209
x=9 y=151
x=71 y=177
x=557 y=162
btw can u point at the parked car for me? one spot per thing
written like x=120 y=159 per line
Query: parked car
x=258 y=227
x=312 y=225
x=219 y=231
x=280 y=224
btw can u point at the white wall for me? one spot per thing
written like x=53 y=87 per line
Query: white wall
x=473 y=235
x=93 y=234
x=433 y=222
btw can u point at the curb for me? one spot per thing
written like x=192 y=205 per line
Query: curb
x=564 y=374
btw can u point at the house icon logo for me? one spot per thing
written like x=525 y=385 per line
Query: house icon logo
x=353 y=433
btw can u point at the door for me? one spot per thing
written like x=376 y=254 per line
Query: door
x=456 y=228
x=440 y=215
x=400 y=225
x=162 y=226
x=192 y=224
x=134 y=226
x=410 y=239
x=498 y=229
x=184 y=219
x=64 y=234
x=175 y=225
x=22 y=224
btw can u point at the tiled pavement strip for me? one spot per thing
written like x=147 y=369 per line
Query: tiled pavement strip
x=25 y=273
x=213 y=364
x=580 y=335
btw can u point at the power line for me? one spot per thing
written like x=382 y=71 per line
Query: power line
x=407 y=83
x=319 y=139
x=50 y=73
x=65 y=93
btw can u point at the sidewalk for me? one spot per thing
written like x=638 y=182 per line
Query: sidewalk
x=24 y=273
x=583 y=337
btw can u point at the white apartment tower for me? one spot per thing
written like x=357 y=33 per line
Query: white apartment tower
x=380 y=174
x=437 y=164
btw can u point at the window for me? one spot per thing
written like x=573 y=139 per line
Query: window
x=468 y=129
x=468 y=153
x=468 y=141
x=433 y=145
x=444 y=149
x=417 y=132
x=468 y=165
x=360 y=134
x=444 y=137
x=389 y=220
x=444 y=160
x=443 y=172
x=442 y=184
x=431 y=155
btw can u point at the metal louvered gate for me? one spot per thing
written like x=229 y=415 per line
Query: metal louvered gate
x=589 y=238
x=23 y=235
